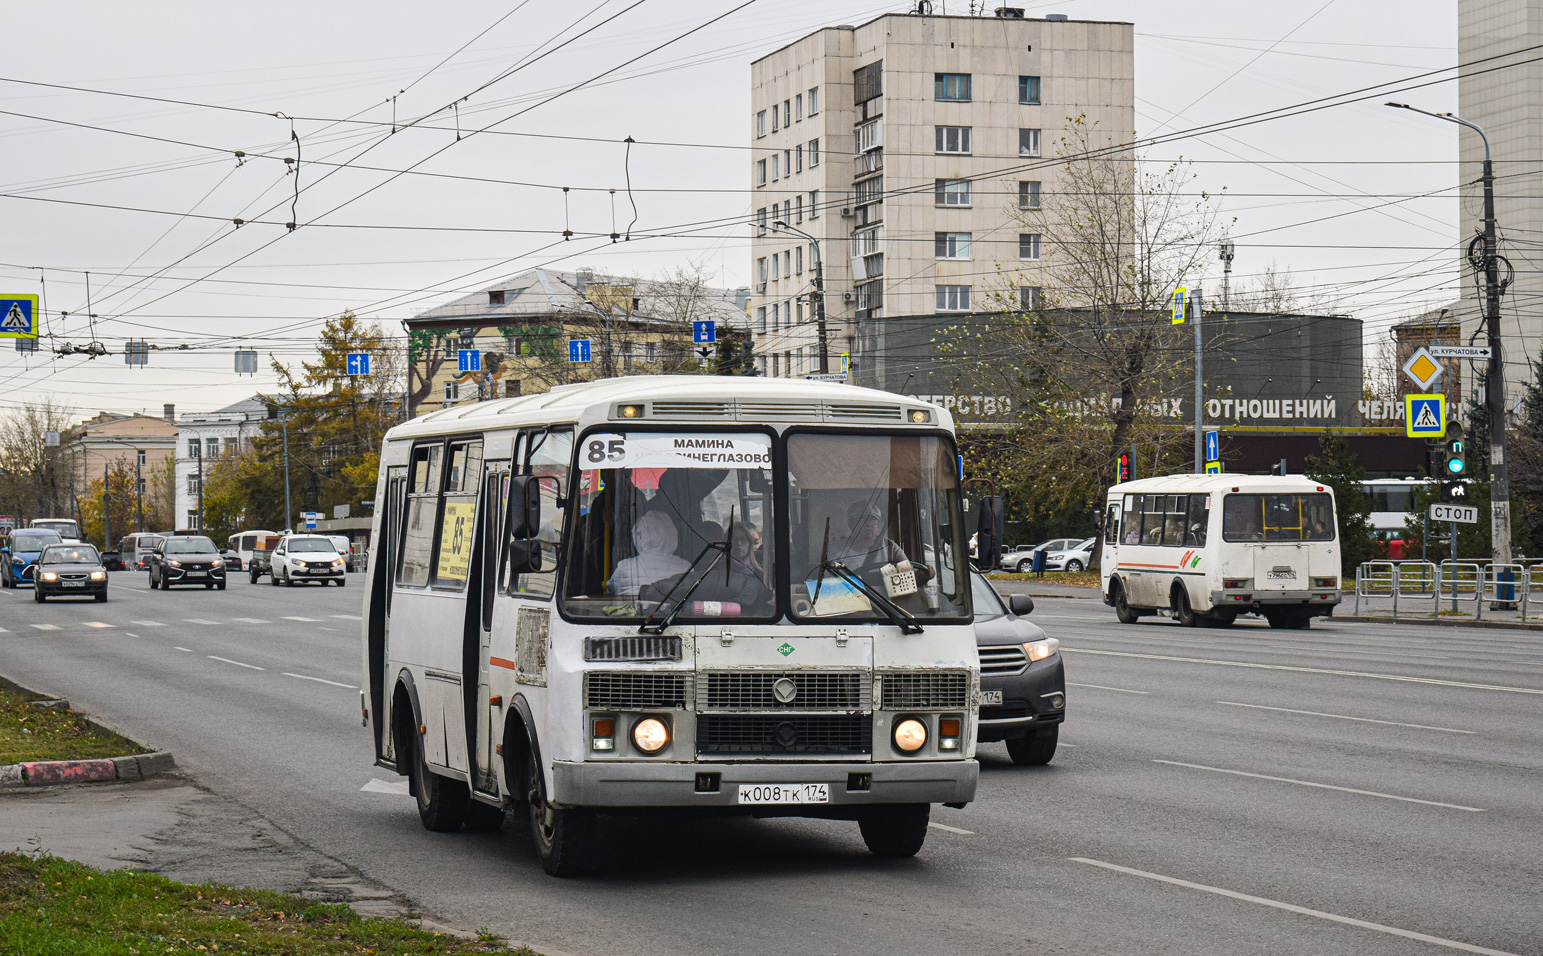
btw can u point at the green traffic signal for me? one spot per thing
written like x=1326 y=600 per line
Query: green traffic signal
x=1457 y=460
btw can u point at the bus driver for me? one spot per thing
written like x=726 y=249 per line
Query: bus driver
x=654 y=537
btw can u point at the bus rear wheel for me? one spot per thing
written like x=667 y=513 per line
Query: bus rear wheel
x=895 y=830
x=566 y=840
x=1182 y=612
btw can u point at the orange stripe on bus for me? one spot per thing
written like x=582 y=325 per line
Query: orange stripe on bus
x=500 y=662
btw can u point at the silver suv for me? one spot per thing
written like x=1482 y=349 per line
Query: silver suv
x=307 y=557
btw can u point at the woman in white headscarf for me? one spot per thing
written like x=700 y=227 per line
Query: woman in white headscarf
x=654 y=537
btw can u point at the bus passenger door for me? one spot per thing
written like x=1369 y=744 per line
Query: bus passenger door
x=381 y=588
x=495 y=491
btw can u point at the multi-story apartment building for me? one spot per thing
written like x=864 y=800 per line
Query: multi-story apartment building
x=910 y=154
x=203 y=437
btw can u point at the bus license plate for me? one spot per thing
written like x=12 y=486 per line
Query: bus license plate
x=784 y=793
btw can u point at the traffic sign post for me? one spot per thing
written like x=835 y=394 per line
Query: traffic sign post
x=468 y=360
x=1213 y=446
x=1463 y=514
x=704 y=333
x=358 y=363
x=18 y=316
x=1425 y=416
x=1460 y=351
x=1213 y=467
x=1422 y=369
x=310 y=517
x=578 y=350
x=1180 y=305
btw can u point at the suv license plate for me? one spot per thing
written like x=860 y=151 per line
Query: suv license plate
x=990 y=697
x=784 y=793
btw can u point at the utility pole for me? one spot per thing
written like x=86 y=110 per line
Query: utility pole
x=819 y=290
x=107 y=511
x=1196 y=307
x=139 y=494
x=284 y=423
x=1494 y=394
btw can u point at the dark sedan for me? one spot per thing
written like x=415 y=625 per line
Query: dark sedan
x=185 y=559
x=69 y=570
x=1022 y=680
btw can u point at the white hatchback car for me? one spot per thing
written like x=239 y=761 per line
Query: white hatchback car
x=307 y=557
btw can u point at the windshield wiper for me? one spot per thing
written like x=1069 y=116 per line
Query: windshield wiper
x=897 y=615
x=720 y=550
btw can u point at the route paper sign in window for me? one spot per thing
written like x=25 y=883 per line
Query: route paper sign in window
x=670 y=450
x=455 y=543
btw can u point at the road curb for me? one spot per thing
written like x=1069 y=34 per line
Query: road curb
x=53 y=773
x=1439 y=622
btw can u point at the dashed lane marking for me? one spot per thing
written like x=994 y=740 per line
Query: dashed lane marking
x=948 y=829
x=304 y=620
x=98 y=624
x=321 y=680
x=185 y=650
x=131 y=635
x=1306 y=670
x=1364 y=720
x=1117 y=690
x=1322 y=786
x=332 y=629
x=199 y=620
x=148 y=623
x=250 y=620
x=1292 y=908
x=397 y=788
x=348 y=617
x=46 y=627
x=237 y=663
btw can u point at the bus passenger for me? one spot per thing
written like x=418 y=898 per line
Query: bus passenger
x=743 y=550
x=654 y=537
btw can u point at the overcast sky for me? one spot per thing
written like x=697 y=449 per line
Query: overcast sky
x=1322 y=196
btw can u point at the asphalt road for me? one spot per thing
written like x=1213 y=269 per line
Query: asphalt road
x=1356 y=788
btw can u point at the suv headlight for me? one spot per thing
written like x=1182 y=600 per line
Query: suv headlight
x=1039 y=650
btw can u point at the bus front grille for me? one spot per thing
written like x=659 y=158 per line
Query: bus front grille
x=636 y=648
x=634 y=691
x=794 y=690
x=779 y=734
x=926 y=690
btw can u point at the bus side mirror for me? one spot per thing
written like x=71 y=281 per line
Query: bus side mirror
x=524 y=507
x=526 y=556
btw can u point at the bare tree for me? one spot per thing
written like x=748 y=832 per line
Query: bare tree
x=36 y=475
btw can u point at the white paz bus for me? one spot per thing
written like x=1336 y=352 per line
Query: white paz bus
x=1204 y=549
x=743 y=595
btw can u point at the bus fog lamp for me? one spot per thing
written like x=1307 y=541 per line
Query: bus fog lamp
x=950 y=733
x=650 y=735
x=603 y=734
x=910 y=735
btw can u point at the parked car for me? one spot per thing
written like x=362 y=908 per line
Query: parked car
x=1022 y=678
x=185 y=559
x=19 y=553
x=307 y=557
x=132 y=549
x=70 y=570
x=1074 y=558
x=1022 y=559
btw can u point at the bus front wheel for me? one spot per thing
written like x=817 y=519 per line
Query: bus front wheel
x=441 y=801
x=1122 y=609
x=565 y=840
x=895 y=830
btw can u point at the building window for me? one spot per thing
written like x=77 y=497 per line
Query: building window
x=814 y=254
x=798 y=259
x=211 y=447
x=870 y=296
x=868 y=190
x=953 y=87
x=776 y=321
x=651 y=351
x=232 y=447
x=787 y=112
x=798 y=158
x=866 y=242
x=951 y=192
x=776 y=267
x=952 y=139
x=787 y=263
x=1028 y=90
x=760 y=270
x=452 y=392
x=760 y=124
x=1028 y=142
x=953 y=298
x=951 y=245
x=868 y=136
x=798 y=107
x=1030 y=297
x=760 y=318
x=1028 y=194
x=760 y=221
x=798 y=208
x=141 y=486
x=1028 y=246
x=787 y=162
x=775 y=175
x=814 y=101
x=139 y=455
x=814 y=204
x=787 y=209
x=193 y=485
x=193 y=524
x=814 y=153
x=867 y=83
x=760 y=172
x=194 y=447
x=776 y=115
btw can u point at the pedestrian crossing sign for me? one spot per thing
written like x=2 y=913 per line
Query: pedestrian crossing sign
x=18 y=316
x=1425 y=416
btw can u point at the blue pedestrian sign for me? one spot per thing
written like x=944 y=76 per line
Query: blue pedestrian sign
x=358 y=363
x=704 y=333
x=468 y=360
x=1213 y=467
x=1425 y=416
x=1213 y=445
x=18 y=316
x=578 y=350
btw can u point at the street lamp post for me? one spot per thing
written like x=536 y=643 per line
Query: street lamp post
x=139 y=488
x=819 y=289
x=1494 y=392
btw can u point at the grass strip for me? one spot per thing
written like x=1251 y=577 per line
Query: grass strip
x=55 y=907
x=28 y=733
x=1083 y=579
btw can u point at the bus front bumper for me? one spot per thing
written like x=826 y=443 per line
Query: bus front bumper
x=641 y=784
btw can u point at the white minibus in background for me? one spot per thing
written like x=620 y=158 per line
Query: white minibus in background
x=735 y=594
x=242 y=542
x=1204 y=549
x=68 y=529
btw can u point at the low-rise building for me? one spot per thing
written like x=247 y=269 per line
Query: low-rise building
x=139 y=443
x=204 y=436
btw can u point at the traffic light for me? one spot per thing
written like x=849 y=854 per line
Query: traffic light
x=1126 y=473
x=1456 y=458
x=1454 y=492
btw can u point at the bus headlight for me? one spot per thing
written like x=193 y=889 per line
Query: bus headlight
x=650 y=735
x=910 y=735
x=1039 y=650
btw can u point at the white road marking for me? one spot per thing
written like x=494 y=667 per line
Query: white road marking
x=321 y=680
x=1322 y=786
x=398 y=788
x=199 y=620
x=131 y=635
x=1118 y=690
x=96 y=624
x=948 y=829
x=237 y=663
x=46 y=627
x=250 y=620
x=4 y=631
x=348 y=617
x=1291 y=908
x=187 y=650
x=148 y=623
x=1364 y=720
x=1306 y=670
x=332 y=629
x=305 y=620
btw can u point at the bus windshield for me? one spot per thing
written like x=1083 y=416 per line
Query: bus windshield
x=657 y=511
x=884 y=507
x=1278 y=518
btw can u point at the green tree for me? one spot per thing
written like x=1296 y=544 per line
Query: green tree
x=1526 y=446
x=1336 y=466
x=121 y=502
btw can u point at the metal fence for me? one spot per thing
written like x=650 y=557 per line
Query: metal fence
x=1450 y=585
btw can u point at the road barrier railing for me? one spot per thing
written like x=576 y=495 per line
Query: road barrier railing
x=1504 y=584
x=1419 y=581
x=1375 y=579
x=1459 y=581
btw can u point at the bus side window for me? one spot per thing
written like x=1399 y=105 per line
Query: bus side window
x=1152 y=519
x=422 y=510
x=1112 y=525
x=549 y=457
x=1132 y=528
x=1199 y=516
